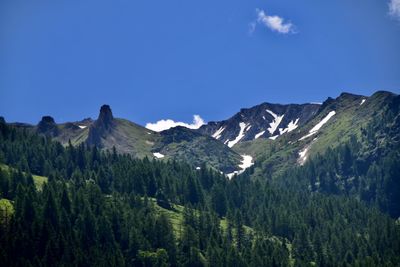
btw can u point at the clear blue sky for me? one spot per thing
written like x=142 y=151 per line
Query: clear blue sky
x=154 y=60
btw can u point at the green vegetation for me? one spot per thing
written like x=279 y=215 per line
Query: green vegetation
x=6 y=211
x=37 y=179
x=100 y=208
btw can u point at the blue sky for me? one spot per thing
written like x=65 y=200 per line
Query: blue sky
x=172 y=59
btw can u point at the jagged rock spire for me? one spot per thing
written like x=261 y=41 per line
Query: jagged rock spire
x=101 y=126
x=105 y=117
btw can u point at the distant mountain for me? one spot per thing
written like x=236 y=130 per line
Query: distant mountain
x=108 y=132
x=273 y=136
x=261 y=121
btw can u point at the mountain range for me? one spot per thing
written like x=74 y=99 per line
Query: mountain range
x=275 y=135
x=274 y=185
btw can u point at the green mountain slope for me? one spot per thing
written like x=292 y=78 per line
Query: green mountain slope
x=187 y=145
x=353 y=114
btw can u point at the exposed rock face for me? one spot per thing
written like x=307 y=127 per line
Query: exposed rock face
x=261 y=121
x=47 y=126
x=101 y=126
x=105 y=117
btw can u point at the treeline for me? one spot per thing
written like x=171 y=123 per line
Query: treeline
x=96 y=210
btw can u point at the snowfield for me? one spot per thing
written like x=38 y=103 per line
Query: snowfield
x=316 y=128
x=217 y=134
x=275 y=123
x=303 y=155
x=241 y=134
x=259 y=134
x=291 y=126
x=158 y=155
x=273 y=137
x=246 y=163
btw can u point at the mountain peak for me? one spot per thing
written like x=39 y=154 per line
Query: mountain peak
x=47 y=126
x=105 y=112
x=101 y=126
x=105 y=117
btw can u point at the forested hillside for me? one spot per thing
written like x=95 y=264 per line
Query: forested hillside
x=96 y=210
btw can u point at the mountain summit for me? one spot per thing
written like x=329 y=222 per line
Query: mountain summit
x=103 y=125
x=105 y=117
x=47 y=126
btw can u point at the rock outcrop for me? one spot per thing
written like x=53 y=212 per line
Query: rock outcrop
x=48 y=127
x=101 y=126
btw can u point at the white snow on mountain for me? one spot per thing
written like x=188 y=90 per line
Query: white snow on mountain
x=303 y=155
x=217 y=134
x=273 y=137
x=291 y=126
x=362 y=102
x=241 y=134
x=315 y=129
x=275 y=123
x=259 y=134
x=162 y=125
x=158 y=155
x=82 y=126
x=247 y=161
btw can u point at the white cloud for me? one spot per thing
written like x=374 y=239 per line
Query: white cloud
x=162 y=125
x=394 y=8
x=274 y=23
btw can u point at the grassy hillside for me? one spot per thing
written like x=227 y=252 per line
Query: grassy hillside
x=352 y=116
x=6 y=210
x=37 y=179
x=183 y=144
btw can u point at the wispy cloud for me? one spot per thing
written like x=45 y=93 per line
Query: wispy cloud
x=274 y=23
x=394 y=8
x=162 y=125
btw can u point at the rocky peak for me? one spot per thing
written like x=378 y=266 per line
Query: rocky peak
x=105 y=116
x=47 y=126
x=101 y=126
x=262 y=121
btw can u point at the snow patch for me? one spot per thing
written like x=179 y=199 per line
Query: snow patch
x=158 y=155
x=273 y=137
x=242 y=126
x=275 y=123
x=198 y=168
x=259 y=134
x=362 y=101
x=316 y=128
x=291 y=126
x=217 y=134
x=247 y=161
x=303 y=155
x=82 y=126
